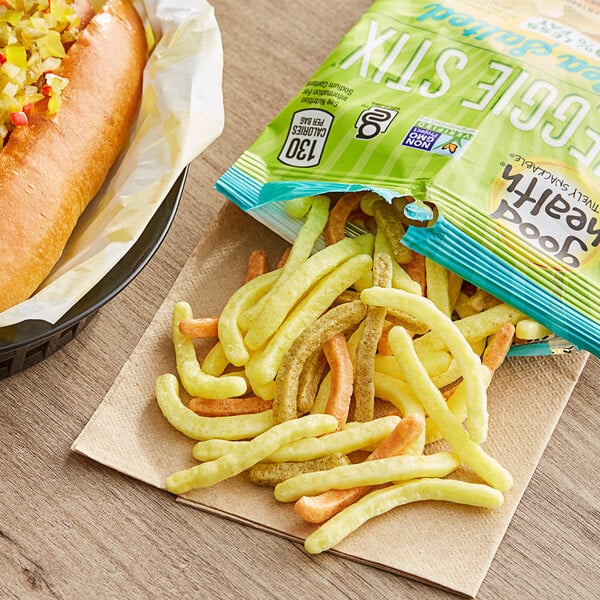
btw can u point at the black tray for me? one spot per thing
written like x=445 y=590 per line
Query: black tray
x=29 y=342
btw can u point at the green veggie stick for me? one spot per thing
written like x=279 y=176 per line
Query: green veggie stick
x=334 y=321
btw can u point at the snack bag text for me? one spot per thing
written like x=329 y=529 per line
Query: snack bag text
x=484 y=122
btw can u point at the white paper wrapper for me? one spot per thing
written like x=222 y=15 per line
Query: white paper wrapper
x=180 y=115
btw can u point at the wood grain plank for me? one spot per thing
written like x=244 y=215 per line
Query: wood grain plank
x=70 y=528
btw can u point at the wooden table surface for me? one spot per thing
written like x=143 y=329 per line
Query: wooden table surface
x=72 y=529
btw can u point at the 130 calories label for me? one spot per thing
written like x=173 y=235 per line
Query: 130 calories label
x=306 y=138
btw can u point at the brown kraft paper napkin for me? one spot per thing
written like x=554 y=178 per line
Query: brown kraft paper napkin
x=446 y=545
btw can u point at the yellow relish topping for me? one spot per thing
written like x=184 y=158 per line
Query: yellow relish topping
x=34 y=35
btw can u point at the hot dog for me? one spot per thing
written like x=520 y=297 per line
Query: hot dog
x=52 y=167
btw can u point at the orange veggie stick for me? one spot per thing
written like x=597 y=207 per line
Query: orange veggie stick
x=317 y=509
x=402 y=437
x=202 y=327
x=342 y=377
x=495 y=353
x=416 y=270
x=257 y=265
x=383 y=345
x=447 y=393
x=207 y=407
x=284 y=258
x=499 y=346
x=338 y=215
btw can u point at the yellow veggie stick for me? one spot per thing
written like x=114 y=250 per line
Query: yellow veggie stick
x=194 y=379
x=450 y=427
x=319 y=508
x=478 y=346
x=230 y=334
x=438 y=292
x=383 y=500
x=473 y=327
x=467 y=361
x=263 y=368
x=363 y=282
x=364 y=386
x=454 y=286
x=457 y=404
x=435 y=363
x=213 y=448
x=367 y=201
x=356 y=436
x=282 y=297
x=266 y=391
x=369 y=472
x=450 y=375
x=270 y=474
x=482 y=300
x=334 y=321
x=322 y=396
x=238 y=460
x=401 y=395
x=527 y=329
x=462 y=307
x=493 y=357
x=201 y=428
x=301 y=249
x=215 y=362
x=286 y=293
x=298 y=207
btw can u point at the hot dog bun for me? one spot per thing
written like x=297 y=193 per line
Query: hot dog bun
x=51 y=169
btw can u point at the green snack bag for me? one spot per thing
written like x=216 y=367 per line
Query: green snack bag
x=491 y=115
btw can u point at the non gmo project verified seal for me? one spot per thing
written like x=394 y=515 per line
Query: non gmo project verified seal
x=420 y=138
x=438 y=137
